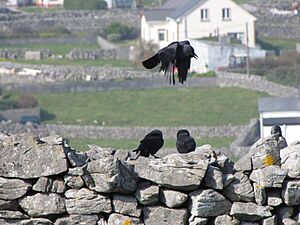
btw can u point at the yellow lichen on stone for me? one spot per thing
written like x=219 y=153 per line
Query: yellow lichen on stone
x=128 y=222
x=269 y=160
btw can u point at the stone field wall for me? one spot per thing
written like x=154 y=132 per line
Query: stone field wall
x=43 y=181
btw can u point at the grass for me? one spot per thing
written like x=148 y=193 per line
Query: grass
x=35 y=9
x=276 y=43
x=81 y=144
x=158 y=107
x=56 y=49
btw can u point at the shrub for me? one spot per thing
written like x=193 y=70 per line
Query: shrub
x=125 y=32
x=26 y=101
x=114 y=37
x=85 y=4
x=207 y=74
x=143 y=50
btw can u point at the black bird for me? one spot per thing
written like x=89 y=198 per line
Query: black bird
x=185 y=143
x=150 y=144
x=177 y=54
x=276 y=130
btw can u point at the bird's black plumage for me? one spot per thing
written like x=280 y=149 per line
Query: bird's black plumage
x=185 y=143
x=150 y=144
x=276 y=130
x=177 y=54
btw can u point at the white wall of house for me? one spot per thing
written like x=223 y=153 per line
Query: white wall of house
x=50 y=3
x=291 y=132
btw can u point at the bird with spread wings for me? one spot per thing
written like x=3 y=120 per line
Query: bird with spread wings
x=175 y=55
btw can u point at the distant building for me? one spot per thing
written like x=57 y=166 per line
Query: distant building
x=121 y=4
x=194 y=19
x=3 y=3
x=284 y=112
x=17 y=3
x=50 y=3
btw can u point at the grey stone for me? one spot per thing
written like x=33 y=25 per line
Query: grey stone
x=172 y=198
x=85 y=201
x=207 y=152
x=165 y=216
x=213 y=178
x=208 y=203
x=259 y=194
x=36 y=221
x=227 y=179
x=7 y=204
x=169 y=170
x=11 y=189
x=109 y=174
x=291 y=193
x=270 y=221
x=195 y=220
x=77 y=219
x=290 y=160
x=102 y=221
x=43 y=204
x=53 y=140
x=147 y=194
x=249 y=211
x=45 y=184
x=118 y=219
x=271 y=176
x=264 y=153
x=76 y=159
x=126 y=205
x=75 y=182
x=225 y=164
x=289 y=221
x=274 y=197
x=283 y=212
x=7 y=214
x=25 y=156
x=240 y=189
x=243 y=164
x=225 y=220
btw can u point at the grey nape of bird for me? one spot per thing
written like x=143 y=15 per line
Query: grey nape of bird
x=276 y=130
x=150 y=144
x=185 y=143
x=177 y=54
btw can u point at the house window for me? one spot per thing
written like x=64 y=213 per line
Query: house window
x=162 y=35
x=204 y=15
x=226 y=14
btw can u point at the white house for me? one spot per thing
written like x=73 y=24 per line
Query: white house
x=49 y=3
x=284 y=112
x=121 y=4
x=194 y=19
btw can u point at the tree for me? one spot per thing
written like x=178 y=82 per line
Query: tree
x=85 y=4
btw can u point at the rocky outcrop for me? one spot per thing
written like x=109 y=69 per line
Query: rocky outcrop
x=43 y=181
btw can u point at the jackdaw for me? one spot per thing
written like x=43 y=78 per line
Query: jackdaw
x=185 y=143
x=150 y=144
x=276 y=130
x=177 y=54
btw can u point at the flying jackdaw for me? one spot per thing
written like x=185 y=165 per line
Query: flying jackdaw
x=185 y=143
x=177 y=54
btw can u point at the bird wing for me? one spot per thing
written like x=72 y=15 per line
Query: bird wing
x=151 y=62
x=167 y=57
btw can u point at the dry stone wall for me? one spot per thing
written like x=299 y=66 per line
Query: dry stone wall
x=43 y=181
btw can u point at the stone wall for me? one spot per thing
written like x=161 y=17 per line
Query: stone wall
x=20 y=53
x=43 y=181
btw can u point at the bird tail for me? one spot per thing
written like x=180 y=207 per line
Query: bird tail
x=151 y=62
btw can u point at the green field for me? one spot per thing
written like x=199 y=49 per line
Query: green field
x=81 y=144
x=156 y=107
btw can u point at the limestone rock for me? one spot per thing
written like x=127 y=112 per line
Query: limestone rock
x=126 y=205
x=259 y=194
x=290 y=160
x=74 y=177
x=76 y=159
x=227 y=179
x=109 y=174
x=243 y=164
x=43 y=204
x=270 y=221
x=240 y=189
x=207 y=153
x=11 y=189
x=78 y=219
x=283 y=212
x=195 y=220
x=165 y=216
x=172 y=198
x=289 y=221
x=147 y=194
x=225 y=164
x=249 y=211
x=274 y=198
x=118 y=219
x=291 y=193
x=213 y=178
x=226 y=220
x=7 y=204
x=25 y=156
x=85 y=201
x=35 y=221
x=7 y=214
x=45 y=184
x=208 y=203
x=265 y=152
x=271 y=176
x=175 y=171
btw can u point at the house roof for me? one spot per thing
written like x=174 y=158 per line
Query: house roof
x=172 y=4
x=181 y=10
x=272 y=104
x=157 y=14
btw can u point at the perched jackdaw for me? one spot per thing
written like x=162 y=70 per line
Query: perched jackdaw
x=177 y=54
x=150 y=144
x=185 y=143
x=276 y=130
